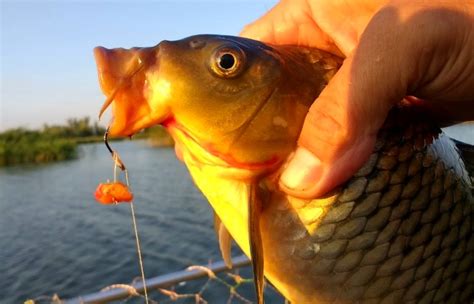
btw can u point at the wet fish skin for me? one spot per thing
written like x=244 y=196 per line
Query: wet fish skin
x=401 y=230
x=173 y=83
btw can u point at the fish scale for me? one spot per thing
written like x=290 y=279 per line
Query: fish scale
x=399 y=231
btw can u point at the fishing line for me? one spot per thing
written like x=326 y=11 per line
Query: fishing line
x=118 y=163
x=137 y=241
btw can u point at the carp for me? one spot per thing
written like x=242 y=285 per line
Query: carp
x=400 y=230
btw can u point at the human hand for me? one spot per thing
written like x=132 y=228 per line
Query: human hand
x=393 y=50
x=331 y=25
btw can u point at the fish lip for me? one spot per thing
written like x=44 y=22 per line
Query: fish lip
x=132 y=127
x=101 y=57
x=115 y=86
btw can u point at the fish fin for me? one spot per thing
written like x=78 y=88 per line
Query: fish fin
x=467 y=155
x=255 y=238
x=217 y=224
x=225 y=240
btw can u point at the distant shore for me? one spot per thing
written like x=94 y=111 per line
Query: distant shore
x=60 y=142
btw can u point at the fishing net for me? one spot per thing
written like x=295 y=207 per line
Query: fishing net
x=231 y=286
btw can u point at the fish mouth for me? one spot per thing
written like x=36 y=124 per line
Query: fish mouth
x=122 y=79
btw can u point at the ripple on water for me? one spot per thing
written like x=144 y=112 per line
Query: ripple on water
x=55 y=238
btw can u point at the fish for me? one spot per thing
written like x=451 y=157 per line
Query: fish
x=399 y=230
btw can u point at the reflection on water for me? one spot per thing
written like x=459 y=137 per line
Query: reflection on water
x=55 y=238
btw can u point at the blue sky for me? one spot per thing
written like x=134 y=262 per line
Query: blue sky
x=47 y=68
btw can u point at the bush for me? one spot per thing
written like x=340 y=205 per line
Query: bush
x=35 y=149
x=52 y=143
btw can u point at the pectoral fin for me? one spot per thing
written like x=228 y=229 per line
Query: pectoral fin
x=225 y=240
x=255 y=239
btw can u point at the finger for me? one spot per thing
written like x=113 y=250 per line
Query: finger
x=341 y=127
x=290 y=22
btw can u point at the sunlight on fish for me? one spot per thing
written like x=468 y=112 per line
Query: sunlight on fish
x=160 y=92
x=129 y=69
x=235 y=108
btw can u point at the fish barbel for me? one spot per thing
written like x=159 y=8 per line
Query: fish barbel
x=400 y=230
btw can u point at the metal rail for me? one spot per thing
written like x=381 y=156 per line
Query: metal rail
x=156 y=282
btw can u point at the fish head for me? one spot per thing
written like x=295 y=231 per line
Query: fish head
x=234 y=107
x=230 y=101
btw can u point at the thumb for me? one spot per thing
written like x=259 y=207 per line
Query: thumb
x=340 y=129
x=290 y=22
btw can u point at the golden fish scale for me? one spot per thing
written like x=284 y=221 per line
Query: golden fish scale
x=400 y=231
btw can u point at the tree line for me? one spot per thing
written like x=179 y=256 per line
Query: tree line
x=59 y=142
x=50 y=143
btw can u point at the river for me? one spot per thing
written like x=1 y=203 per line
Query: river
x=54 y=238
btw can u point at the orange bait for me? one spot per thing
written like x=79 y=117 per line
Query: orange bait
x=111 y=193
x=116 y=192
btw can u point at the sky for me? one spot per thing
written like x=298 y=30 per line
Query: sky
x=48 y=72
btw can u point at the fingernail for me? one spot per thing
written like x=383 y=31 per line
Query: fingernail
x=302 y=171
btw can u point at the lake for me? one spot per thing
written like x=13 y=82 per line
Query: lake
x=54 y=238
x=463 y=132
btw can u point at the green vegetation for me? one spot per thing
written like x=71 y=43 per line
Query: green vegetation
x=51 y=143
x=59 y=142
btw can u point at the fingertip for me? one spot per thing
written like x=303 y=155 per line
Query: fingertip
x=307 y=176
x=301 y=174
x=251 y=31
x=261 y=29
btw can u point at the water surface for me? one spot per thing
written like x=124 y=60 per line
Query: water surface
x=55 y=238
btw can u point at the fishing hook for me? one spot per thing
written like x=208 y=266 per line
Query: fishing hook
x=115 y=156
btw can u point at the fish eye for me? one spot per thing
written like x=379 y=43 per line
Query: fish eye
x=227 y=61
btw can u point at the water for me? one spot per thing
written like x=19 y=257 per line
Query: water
x=463 y=132
x=55 y=238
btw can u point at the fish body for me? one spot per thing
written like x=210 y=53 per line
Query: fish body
x=401 y=229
